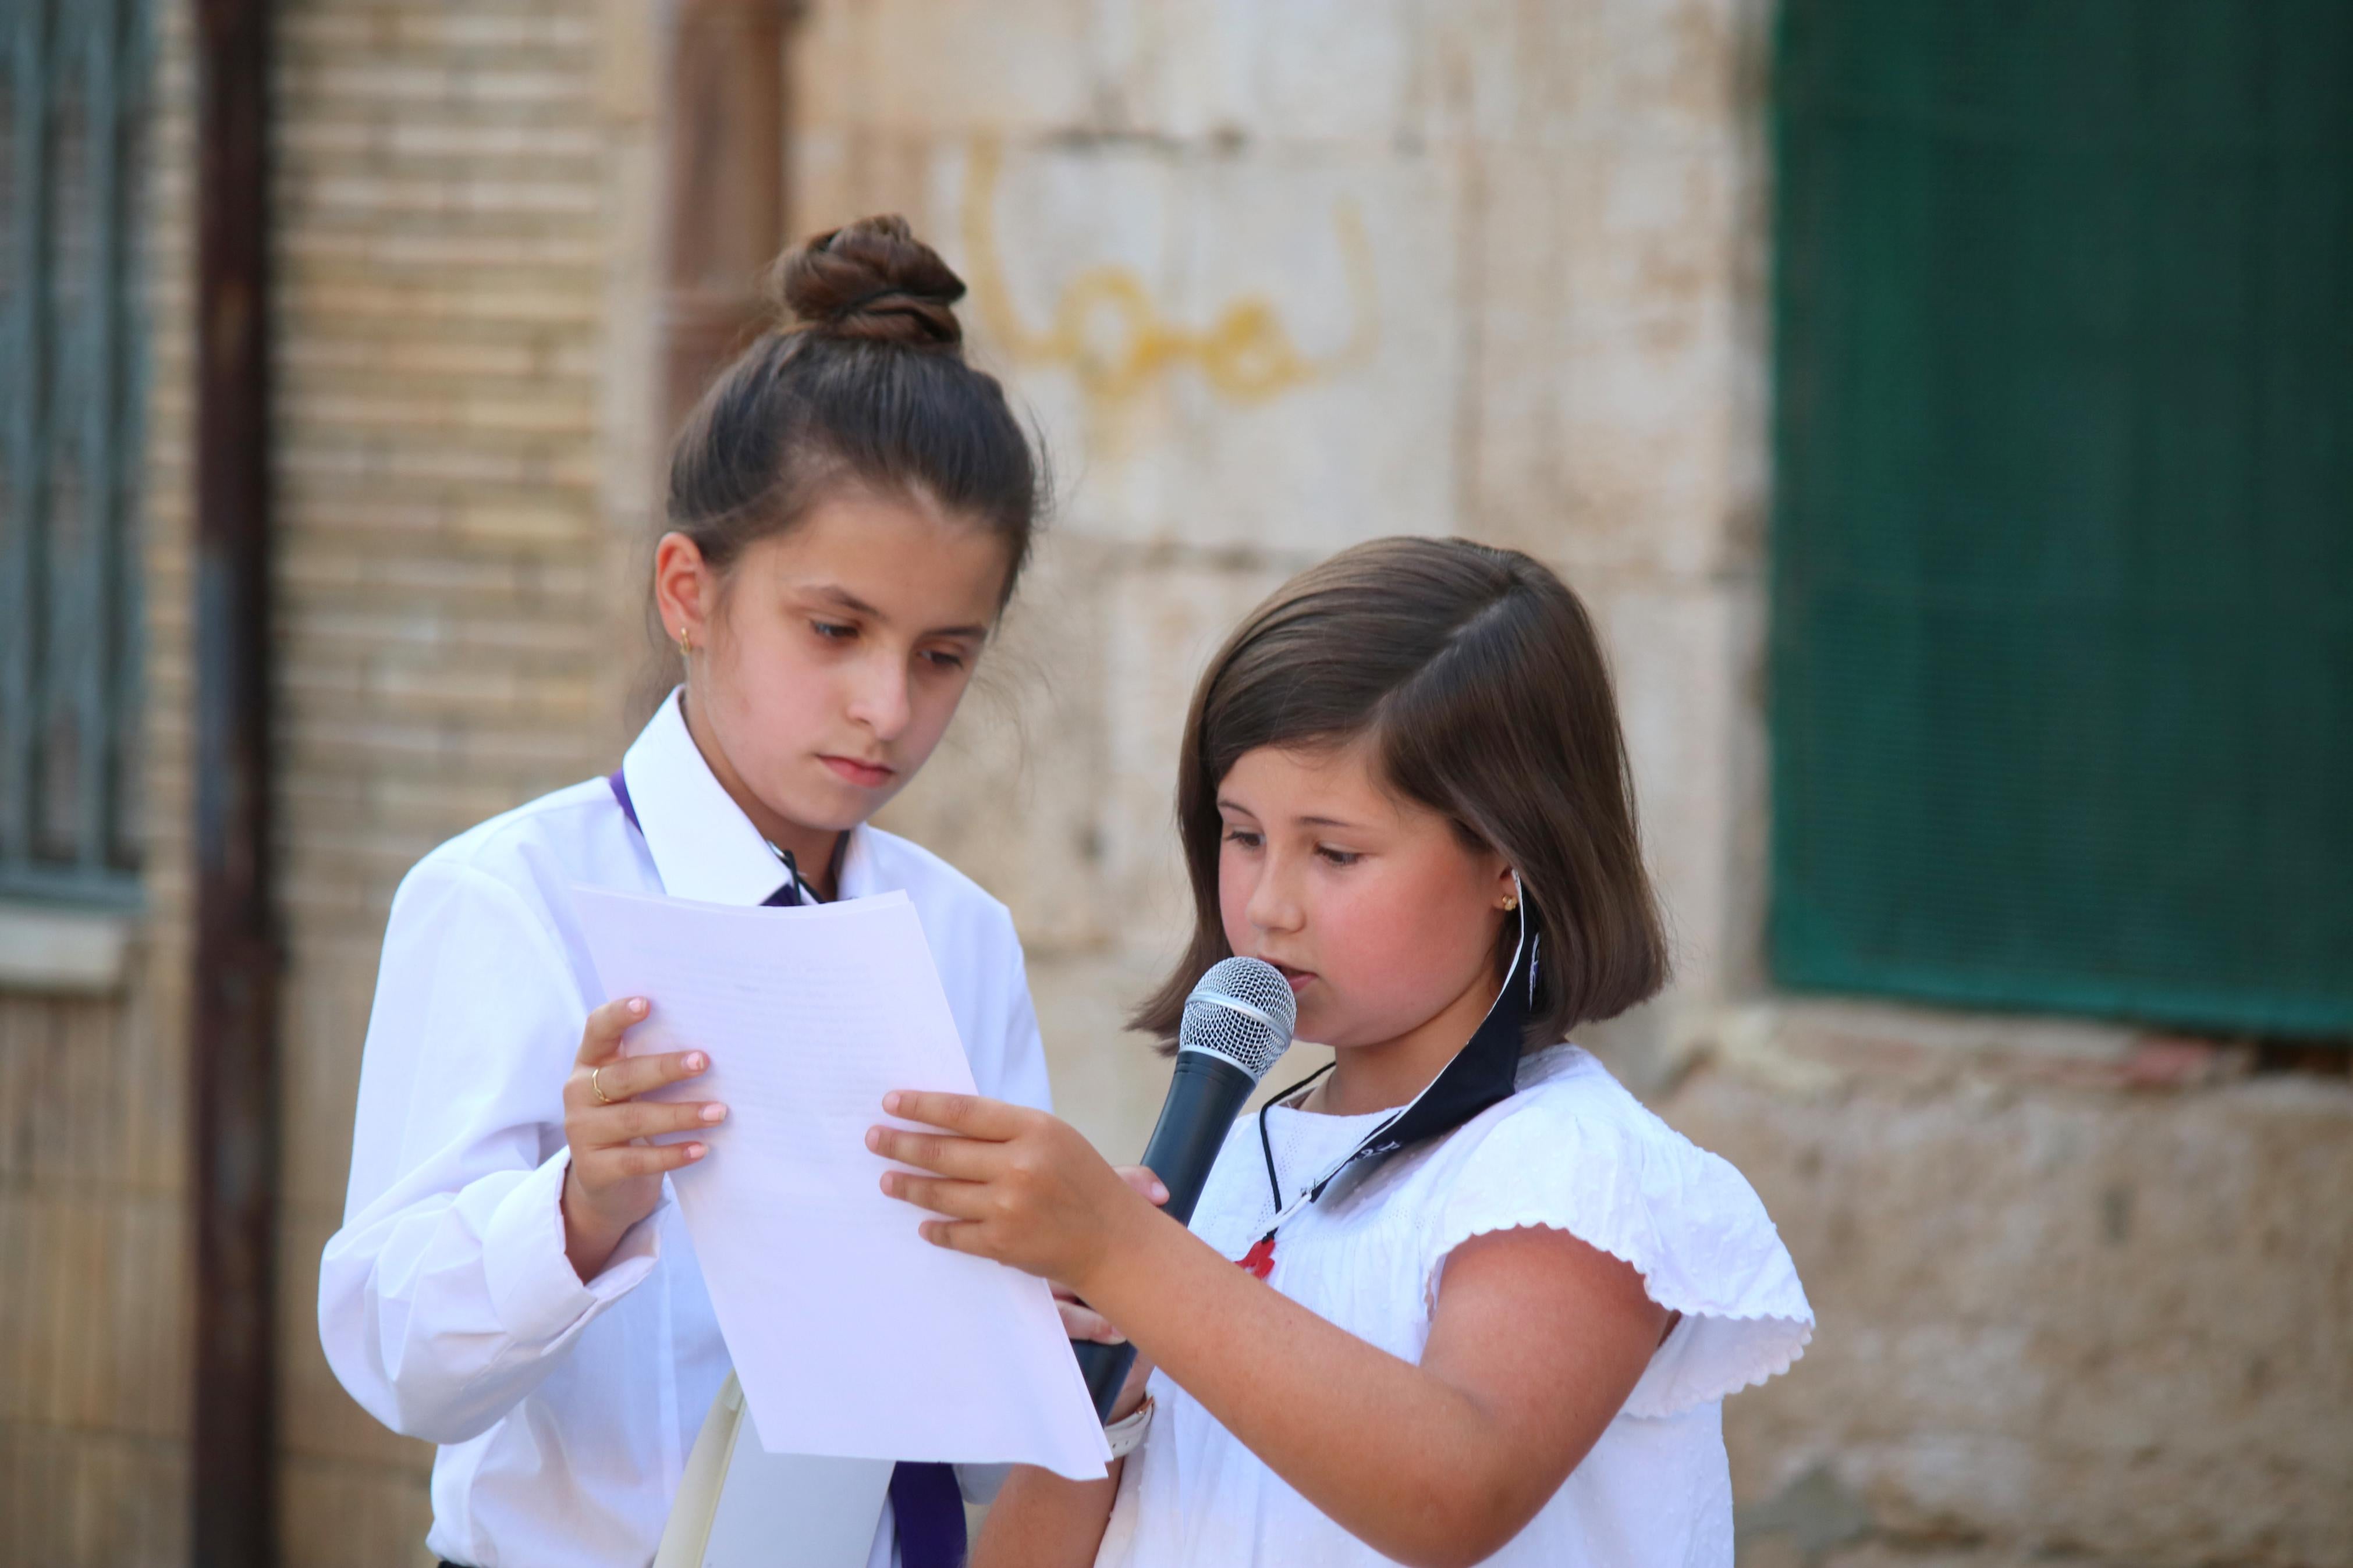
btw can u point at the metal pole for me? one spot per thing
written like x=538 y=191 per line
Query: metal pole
x=233 y=1000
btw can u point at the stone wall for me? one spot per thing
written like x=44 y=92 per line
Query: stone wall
x=1279 y=278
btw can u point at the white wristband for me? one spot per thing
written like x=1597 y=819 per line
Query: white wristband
x=1126 y=1435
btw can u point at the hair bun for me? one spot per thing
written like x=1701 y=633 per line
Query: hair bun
x=874 y=280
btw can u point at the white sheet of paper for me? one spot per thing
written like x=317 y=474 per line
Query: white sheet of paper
x=853 y=1336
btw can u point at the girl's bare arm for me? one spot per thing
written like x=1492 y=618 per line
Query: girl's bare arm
x=1040 y=1519
x=1537 y=1341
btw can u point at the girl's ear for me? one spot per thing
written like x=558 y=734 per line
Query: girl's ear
x=682 y=590
x=1508 y=892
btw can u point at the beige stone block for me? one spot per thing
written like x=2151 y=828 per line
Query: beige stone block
x=1686 y=661
x=855 y=173
x=1306 y=71
x=1171 y=617
x=1014 y=795
x=2055 y=1317
x=1246 y=352
x=1501 y=73
x=1108 y=1083
x=1617 y=420
x=1651 y=231
x=1679 y=72
x=909 y=67
x=1658 y=72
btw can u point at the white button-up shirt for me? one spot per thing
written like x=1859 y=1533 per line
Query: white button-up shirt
x=565 y=1410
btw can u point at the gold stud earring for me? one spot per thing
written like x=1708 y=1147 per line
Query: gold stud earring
x=685 y=648
x=1510 y=902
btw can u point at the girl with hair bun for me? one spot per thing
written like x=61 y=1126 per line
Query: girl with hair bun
x=1488 y=1307
x=850 y=509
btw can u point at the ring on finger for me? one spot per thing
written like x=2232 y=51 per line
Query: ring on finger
x=598 y=1087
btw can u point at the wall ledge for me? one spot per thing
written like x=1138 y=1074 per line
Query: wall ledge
x=62 y=950
x=1823 y=1045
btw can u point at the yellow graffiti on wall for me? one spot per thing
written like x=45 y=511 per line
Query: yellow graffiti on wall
x=1107 y=330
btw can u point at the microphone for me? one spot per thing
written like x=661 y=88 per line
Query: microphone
x=1237 y=1023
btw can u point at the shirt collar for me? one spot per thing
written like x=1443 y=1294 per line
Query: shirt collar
x=703 y=845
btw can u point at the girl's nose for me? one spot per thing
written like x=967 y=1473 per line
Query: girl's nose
x=1274 y=903
x=879 y=699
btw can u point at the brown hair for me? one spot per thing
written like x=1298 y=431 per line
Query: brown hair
x=1476 y=676
x=861 y=381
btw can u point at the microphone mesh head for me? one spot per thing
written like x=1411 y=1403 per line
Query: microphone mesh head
x=1242 y=1010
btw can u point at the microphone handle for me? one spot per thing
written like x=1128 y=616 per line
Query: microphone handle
x=1205 y=1094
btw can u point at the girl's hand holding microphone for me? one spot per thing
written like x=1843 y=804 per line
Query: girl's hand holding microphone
x=615 y=1176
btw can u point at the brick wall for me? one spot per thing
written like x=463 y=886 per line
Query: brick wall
x=94 y=1307
x=443 y=656
x=461 y=489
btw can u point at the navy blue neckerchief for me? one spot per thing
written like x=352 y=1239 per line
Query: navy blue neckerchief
x=786 y=897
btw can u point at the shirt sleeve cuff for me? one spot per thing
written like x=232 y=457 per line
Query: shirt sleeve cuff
x=533 y=1289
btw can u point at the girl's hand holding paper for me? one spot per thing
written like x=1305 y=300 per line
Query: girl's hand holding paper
x=615 y=1179
x=1016 y=1186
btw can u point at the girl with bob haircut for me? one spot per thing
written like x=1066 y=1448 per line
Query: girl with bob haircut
x=1488 y=1306
x=850 y=509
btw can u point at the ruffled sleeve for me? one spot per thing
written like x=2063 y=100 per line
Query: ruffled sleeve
x=1577 y=1153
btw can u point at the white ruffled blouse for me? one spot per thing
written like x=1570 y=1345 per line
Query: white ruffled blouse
x=1571 y=1149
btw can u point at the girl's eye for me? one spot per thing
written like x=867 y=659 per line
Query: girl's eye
x=834 y=631
x=1339 y=856
x=940 y=659
x=1242 y=836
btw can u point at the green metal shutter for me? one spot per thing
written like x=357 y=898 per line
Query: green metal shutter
x=73 y=81
x=2063 y=557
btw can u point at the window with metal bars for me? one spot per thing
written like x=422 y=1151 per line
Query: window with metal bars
x=2063 y=558
x=73 y=97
